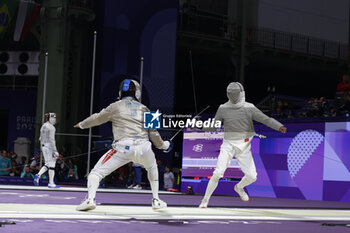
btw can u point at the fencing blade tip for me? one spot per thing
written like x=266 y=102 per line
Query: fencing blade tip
x=260 y=136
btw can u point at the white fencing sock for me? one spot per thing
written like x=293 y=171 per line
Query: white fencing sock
x=213 y=183
x=93 y=182
x=245 y=181
x=51 y=175
x=152 y=175
x=42 y=171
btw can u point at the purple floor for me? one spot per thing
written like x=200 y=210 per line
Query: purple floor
x=169 y=226
x=62 y=197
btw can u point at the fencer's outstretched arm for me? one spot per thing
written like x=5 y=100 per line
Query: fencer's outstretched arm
x=259 y=116
x=96 y=119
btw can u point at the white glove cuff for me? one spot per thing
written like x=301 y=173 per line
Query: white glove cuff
x=165 y=145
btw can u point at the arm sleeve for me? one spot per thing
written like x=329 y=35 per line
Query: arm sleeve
x=155 y=138
x=33 y=163
x=97 y=119
x=52 y=139
x=218 y=117
x=259 y=116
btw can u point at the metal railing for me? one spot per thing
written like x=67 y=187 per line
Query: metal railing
x=81 y=3
x=210 y=24
x=270 y=101
x=19 y=82
x=297 y=43
x=202 y=22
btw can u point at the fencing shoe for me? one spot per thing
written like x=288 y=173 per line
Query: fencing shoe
x=87 y=204
x=158 y=204
x=242 y=194
x=204 y=203
x=36 y=180
x=53 y=186
x=138 y=187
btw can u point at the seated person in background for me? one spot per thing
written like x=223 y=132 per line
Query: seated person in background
x=12 y=155
x=35 y=164
x=168 y=178
x=61 y=169
x=27 y=173
x=290 y=114
x=73 y=170
x=321 y=105
x=279 y=113
x=344 y=85
x=280 y=104
x=332 y=112
x=313 y=107
x=5 y=164
x=286 y=105
x=14 y=170
x=347 y=102
x=346 y=106
x=22 y=164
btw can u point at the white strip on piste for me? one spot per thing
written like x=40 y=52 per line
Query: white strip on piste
x=204 y=135
x=78 y=189
x=206 y=163
x=31 y=211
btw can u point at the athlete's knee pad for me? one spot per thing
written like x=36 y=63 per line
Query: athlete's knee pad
x=219 y=171
x=251 y=177
x=217 y=175
x=51 y=163
x=152 y=173
x=95 y=176
x=150 y=167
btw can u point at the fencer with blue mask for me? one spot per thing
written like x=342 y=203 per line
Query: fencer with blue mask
x=131 y=142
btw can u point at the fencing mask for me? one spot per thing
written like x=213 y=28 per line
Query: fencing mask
x=51 y=117
x=235 y=93
x=129 y=87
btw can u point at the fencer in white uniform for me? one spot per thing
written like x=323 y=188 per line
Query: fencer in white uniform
x=48 y=147
x=237 y=116
x=131 y=142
